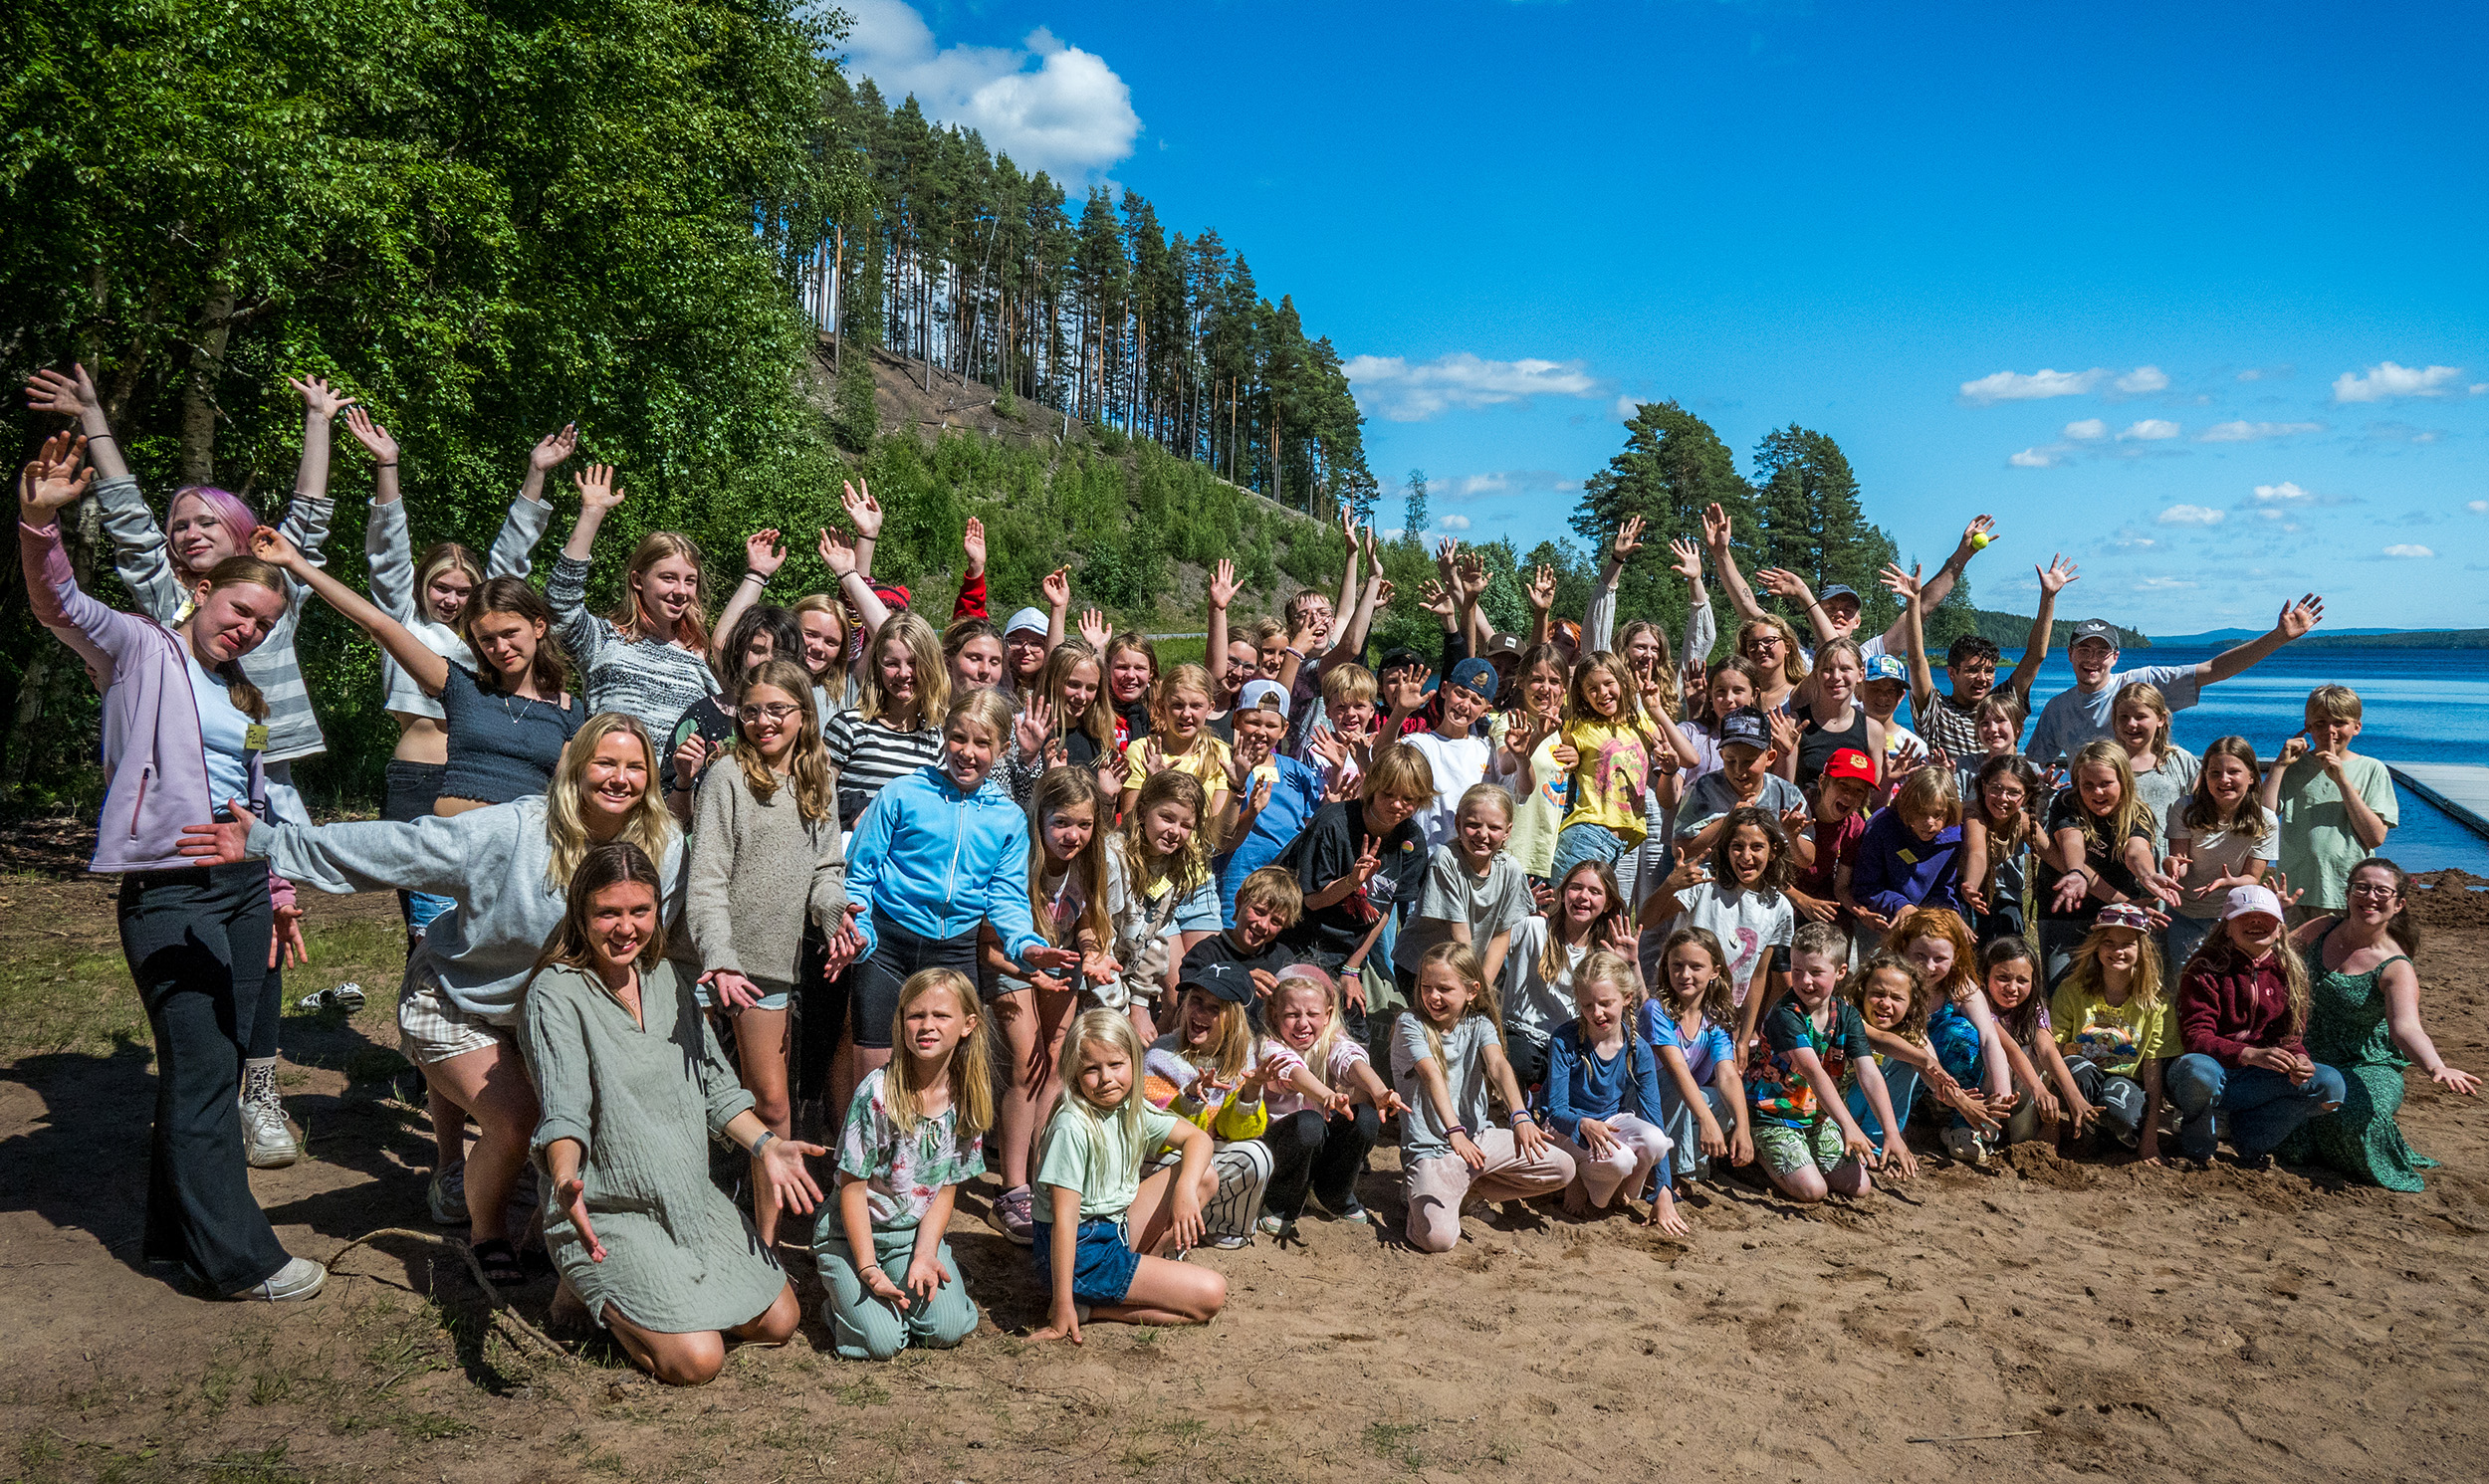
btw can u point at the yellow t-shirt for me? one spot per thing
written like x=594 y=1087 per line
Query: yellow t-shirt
x=2119 y=1038
x=1610 y=779
x=1208 y=762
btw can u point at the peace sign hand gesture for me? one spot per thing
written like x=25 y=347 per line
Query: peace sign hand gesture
x=1369 y=860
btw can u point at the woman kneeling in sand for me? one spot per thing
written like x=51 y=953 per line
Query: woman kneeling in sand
x=634 y=1085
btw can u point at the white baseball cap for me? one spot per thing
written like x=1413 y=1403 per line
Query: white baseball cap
x=1263 y=694
x=1030 y=619
x=2250 y=901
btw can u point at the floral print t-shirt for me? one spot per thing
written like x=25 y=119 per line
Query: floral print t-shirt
x=1781 y=1093
x=903 y=1173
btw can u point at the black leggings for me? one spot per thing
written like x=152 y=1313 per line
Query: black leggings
x=1323 y=1153
x=197 y=945
x=897 y=955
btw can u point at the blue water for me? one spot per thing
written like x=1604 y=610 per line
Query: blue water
x=2417 y=705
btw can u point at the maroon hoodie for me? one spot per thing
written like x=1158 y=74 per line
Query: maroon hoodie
x=2226 y=1004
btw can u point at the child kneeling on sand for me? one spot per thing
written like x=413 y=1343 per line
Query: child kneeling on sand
x=1445 y=1057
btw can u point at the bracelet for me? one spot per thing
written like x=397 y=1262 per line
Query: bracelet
x=761 y=1143
x=391 y=464
x=753 y=576
x=92 y=437
x=1293 y=649
x=1519 y=1114
x=1461 y=1129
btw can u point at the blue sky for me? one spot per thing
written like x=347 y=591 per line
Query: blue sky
x=2193 y=294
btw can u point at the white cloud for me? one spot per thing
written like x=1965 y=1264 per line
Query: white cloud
x=1625 y=408
x=2402 y=432
x=2149 y=430
x=2285 y=493
x=2477 y=506
x=2192 y=514
x=2143 y=379
x=2038 y=457
x=2087 y=429
x=1402 y=393
x=1504 y=481
x=1451 y=523
x=2385 y=379
x=2251 y=374
x=2478 y=389
x=2247 y=432
x=1048 y=105
x=2013 y=386
x=2161 y=584
x=2409 y=552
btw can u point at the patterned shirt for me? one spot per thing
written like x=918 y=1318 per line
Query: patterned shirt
x=1781 y=1092
x=903 y=1172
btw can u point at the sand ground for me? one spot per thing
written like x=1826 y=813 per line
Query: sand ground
x=2044 y=1320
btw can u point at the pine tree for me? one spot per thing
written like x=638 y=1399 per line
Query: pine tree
x=1671 y=467
x=1413 y=510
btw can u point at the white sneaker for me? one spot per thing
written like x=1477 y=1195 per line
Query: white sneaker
x=268 y=1140
x=300 y=1279
x=1966 y=1146
x=447 y=1196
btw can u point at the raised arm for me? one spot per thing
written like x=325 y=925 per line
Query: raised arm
x=1599 y=616
x=55 y=480
x=1221 y=593
x=864 y=514
x=389 y=553
x=1702 y=625
x=1790 y=586
x=416 y=658
x=1348 y=585
x=1057 y=589
x=597 y=499
x=322 y=405
x=1358 y=625
x=1974 y=538
x=74 y=395
x=1716 y=534
x=1914 y=639
x=763 y=554
x=847 y=568
x=2053 y=580
x=2297 y=618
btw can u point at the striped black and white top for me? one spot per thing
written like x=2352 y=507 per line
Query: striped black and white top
x=869 y=755
x=642 y=678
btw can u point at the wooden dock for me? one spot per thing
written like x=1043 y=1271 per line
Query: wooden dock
x=2461 y=789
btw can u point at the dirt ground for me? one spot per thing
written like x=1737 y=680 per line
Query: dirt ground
x=2046 y=1319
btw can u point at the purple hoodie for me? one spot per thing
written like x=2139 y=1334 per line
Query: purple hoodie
x=153 y=751
x=1898 y=870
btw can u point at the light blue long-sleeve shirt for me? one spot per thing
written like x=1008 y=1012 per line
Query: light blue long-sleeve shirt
x=935 y=862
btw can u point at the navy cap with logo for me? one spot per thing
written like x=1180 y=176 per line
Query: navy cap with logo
x=1837 y=590
x=1227 y=981
x=1744 y=725
x=1477 y=677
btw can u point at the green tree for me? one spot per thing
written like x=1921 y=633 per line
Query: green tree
x=1671 y=467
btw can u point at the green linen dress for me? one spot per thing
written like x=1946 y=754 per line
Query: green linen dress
x=680 y=1257
x=2348 y=1031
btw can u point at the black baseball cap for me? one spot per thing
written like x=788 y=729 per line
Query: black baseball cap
x=2094 y=628
x=1403 y=656
x=1746 y=725
x=1227 y=981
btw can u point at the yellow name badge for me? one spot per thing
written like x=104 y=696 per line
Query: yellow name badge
x=255 y=738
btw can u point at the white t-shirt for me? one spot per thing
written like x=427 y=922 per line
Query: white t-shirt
x=225 y=730
x=1459 y=762
x=2216 y=854
x=2074 y=719
x=1749 y=926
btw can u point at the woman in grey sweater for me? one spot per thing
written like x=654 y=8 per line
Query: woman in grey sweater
x=507 y=867
x=634 y=1088
x=764 y=859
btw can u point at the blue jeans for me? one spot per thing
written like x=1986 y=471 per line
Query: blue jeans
x=2265 y=1107
x=1684 y=1131
x=1585 y=842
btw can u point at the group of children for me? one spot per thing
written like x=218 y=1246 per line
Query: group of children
x=1590 y=918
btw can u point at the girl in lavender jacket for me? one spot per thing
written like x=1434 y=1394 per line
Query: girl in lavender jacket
x=183 y=735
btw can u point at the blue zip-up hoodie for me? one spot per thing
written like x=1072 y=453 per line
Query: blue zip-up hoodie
x=936 y=862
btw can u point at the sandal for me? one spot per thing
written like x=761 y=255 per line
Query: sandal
x=500 y=1262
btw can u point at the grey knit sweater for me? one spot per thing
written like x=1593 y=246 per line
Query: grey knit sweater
x=758 y=868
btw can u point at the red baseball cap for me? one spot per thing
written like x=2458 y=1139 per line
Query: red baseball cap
x=1850 y=762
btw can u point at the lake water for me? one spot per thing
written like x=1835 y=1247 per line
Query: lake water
x=2417 y=705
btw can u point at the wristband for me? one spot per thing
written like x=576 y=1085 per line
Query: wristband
x=391 y=464
x=1519 y=1114
x=761 y=1143
x=92 y=437
x=1461 y=1129
x=753 y=576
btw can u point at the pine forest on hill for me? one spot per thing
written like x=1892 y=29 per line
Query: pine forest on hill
x=489 y=221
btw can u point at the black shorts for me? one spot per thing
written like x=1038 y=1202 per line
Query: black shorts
x=874 y=985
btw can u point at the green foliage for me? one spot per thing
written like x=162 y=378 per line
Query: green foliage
x=1671 y=467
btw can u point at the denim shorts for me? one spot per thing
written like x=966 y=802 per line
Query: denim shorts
x=1101 y=1267
x=708 y=1000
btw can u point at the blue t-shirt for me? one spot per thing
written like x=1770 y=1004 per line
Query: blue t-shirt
x=1293 y=799
x=1580 y=1084
x=225 y=731
x=1703 y=1054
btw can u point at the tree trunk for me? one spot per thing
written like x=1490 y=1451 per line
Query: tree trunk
x=198 y=395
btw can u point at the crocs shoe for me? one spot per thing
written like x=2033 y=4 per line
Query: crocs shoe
x=1966 y=1146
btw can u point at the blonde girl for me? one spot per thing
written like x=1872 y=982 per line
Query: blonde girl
x=2220 y=838
x=825 y=625
x=1836 y=718
x=1327 y=1110
x=1768 y=644
x=1603 y=1097
x=1209 y=1069
x=2165 y=775
x=1101 y=1241
x=1162 y=894
x=1546 y=950
x=649 y=657
x=1445 y=1060
x=1068 y=893
x=1962 y=1026
x=764 y=861
x=1617 y=752
x=914 y=1135
x=1474 y=893
x=2099 y=850
x=2009 y=975
x=1180 y=740
x=903 y=698
x=1073 y=684
x=2115 y=1025
x=1689 y=1025
x=1999 y=831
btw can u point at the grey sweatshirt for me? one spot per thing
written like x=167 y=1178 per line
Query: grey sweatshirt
x=757 y=869
x=392 y=561
x=490 y=861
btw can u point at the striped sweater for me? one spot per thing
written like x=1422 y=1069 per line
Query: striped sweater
x=642 y=678
x=143 y=558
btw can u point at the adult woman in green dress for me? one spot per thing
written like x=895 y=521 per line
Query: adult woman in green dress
x=2364 y=1021
x=633 y=1086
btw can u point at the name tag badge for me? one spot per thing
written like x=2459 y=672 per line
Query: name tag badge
x=255 y=738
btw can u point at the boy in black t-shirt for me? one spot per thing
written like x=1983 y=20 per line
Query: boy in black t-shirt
x=1267 y=904
x=1354 y=863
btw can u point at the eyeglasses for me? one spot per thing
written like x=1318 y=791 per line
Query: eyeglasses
x=2384 y=890
x=778 y=712
x=1765 y=641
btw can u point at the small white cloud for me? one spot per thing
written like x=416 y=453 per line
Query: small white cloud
x=2285 y=493
x=1501 y=481
x=2478 y=389
x=2162 y=584
x=2247 y=432
x=2409 y=552
x=1048 y=105
x=2143 y=379
x=1393 y=388
x=1451 y=523
x=2149 y=430
x=2385 y=379
x=2013 y=386
x=1625 y=408
x=2087 y=429
x=2192 y=514
x=2037 y=458
x=2251 y=374
x=2402 y=432
x=2477 y=506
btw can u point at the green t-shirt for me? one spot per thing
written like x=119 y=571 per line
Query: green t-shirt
x=1100 y=1157
x=2319 y=847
